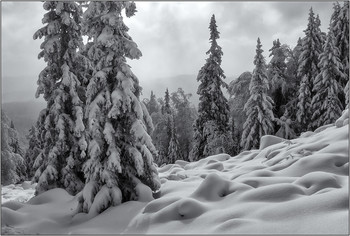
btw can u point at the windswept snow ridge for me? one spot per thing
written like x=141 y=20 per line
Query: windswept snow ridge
x=297 y=186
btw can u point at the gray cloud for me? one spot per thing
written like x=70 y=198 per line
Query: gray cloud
x=173 y=37
x=20 y=64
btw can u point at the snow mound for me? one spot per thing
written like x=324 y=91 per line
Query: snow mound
x=54 y=195
x=268 y=140
x=144 y=193
x=218 y=187
x=297 y=186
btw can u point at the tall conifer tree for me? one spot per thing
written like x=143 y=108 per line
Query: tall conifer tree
x=32 y=152
x=341 y=33
x=213 y=109
x=152 y=106
x=339 y=24
x=162 y=133
x=277 y=77
x=13 y=166
x=346 y=91
x=326 y=104
x=120 y=149
x=166 y=106
x=173 y=149
x=62 y=128
x=277 y=63
x=259 y=105
x=308 y=69
x=184 y=117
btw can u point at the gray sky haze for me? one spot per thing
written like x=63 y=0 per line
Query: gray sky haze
x=173 y=38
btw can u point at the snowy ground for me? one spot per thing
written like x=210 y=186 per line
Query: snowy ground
x=19 y=192
x=288 y=187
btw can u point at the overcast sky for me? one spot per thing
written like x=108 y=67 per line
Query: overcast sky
x=173 y=38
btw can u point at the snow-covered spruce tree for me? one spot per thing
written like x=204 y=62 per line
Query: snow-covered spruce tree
x=290 y=88
x=17 y=152
x=167 y=113
x=335 y=18
x=62 y=128
x=32 y=152
x=14 y=140
x=40 y=141
x=162 y=130
x=277 y=78
x=286 y=125
x=339 y=24
x=318 y=27
x=120 y=150
x=184 y=118
x=167 y=138
x=152 y=105
x=166 y=106
x=213 y=109
x=235 y=137
x=239 y=95
x=259 y=105
x=326 y=104
x=173 y=149
x=340 y=27
x=277 y=64
x=308 y=70
x=292 y=69
x=346 y=91
x=160 y=136
x=8 y=167
x=343 y=45
x=13 y=168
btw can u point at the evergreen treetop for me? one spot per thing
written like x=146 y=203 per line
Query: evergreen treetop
x=211 y=80
x=152 y=105
x=215 y=51
x=277 y=64
x=166 y=106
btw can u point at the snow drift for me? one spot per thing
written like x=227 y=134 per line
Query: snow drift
x=297 y=186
